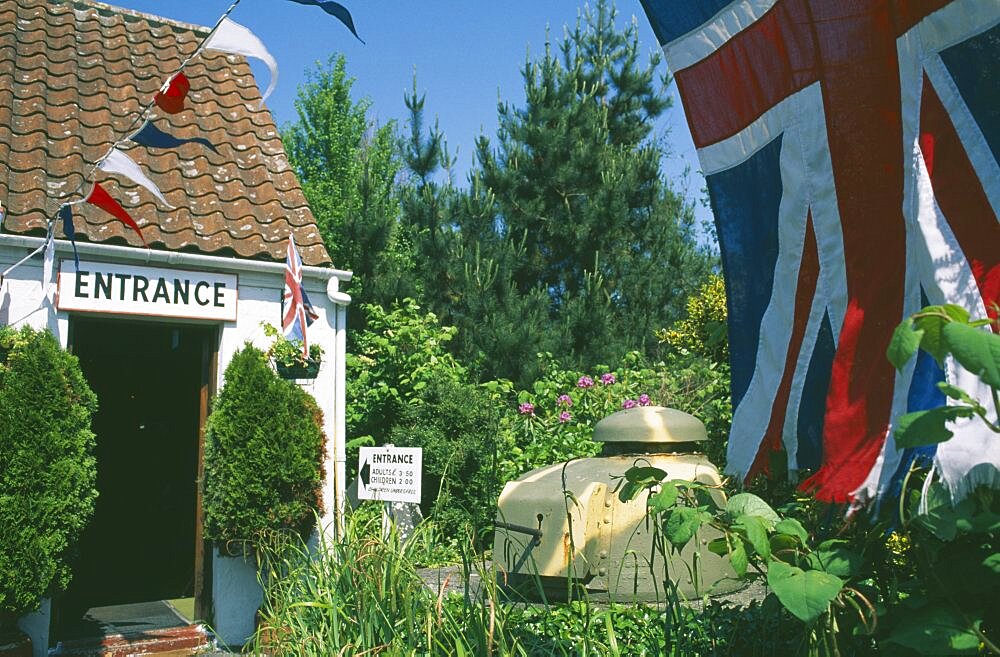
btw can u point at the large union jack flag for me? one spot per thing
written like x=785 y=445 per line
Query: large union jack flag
x=297 y=312
x=850 y=149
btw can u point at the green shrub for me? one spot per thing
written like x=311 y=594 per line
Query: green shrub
x=47 y=470
x=400 y=353
x=555 y=420
x=456 y=425
x=264 y=453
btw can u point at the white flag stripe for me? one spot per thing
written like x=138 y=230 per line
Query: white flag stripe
x=232 y=37
x=48 y=265
x=120 y=163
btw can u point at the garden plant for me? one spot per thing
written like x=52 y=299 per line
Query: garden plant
x=48 y=473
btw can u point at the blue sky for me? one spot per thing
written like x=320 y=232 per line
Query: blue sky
x=466 y=54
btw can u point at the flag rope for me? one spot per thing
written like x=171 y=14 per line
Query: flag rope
x=140 y=118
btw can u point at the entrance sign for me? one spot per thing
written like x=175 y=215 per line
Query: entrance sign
x=100 y=287
x=390 y=474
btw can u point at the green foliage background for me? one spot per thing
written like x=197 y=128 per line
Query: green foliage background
x=47 y=469
x=264 y=453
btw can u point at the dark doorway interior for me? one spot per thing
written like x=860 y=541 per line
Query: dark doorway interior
x=140 y=545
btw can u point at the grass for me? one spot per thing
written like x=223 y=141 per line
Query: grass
x=364 y=596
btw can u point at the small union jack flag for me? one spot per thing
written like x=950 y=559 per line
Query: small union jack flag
x=298 y=312
x=851 y=153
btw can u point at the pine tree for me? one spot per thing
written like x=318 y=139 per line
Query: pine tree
x=574 y=176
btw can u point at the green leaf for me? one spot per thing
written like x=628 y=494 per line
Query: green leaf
x=956 y=393
x=664 y=499
x=719 y=546
x=932 y=320
x=793 y=527
x=905 y=342
x=682 y=523
x=992 y=562
x=644 y=474
x=936 y=629
x=977 y=350
x=941 y=518
x=756 y=533
x=807 y=594
x=751 y=505
x=833 y=558
x=738 y=558
x=928 y=427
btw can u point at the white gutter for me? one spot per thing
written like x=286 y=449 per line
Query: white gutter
x=180 y=259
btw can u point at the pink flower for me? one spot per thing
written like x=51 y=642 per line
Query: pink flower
x=585 y=382
x=564 y=400
x=629 y=403
x=565 y=416
x=607 y=379
x=527 y=408
x=643 y=399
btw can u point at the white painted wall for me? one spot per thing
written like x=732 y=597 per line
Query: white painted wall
x=22 y=302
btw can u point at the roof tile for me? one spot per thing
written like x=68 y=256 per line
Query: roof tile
x=81 y=72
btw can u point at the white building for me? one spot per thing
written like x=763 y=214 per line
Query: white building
x=154 y=327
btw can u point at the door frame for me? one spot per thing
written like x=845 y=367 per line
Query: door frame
x=209 y=368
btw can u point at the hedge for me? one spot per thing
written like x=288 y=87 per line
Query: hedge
x=264 y=453
x=48 y=473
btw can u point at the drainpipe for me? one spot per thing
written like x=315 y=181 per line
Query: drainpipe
x=340 y=301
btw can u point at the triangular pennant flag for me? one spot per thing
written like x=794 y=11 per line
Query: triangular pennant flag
x=48 y=264
x=170 y=97
x=118 y=162
x=152 y=137
x=336 y=10
x=66 y=214
x=100 y=198
x=232 y=37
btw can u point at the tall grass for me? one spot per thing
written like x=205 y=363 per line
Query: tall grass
x=363 y=596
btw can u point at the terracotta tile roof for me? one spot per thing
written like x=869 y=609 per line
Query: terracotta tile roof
x=73 y=76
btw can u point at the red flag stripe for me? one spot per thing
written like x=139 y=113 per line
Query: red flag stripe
x=100 y=198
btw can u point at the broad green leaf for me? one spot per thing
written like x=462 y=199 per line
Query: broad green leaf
x=992 y=562
x=928 y=427
x=664 y=499
x=738 y=558
x=941 y=518
x=719 y=546
x=756 y=533
x=646 y=473
x=805 y=593
x=936 y=629
x=793 y=527
x=833 y=558
x=629 y=491
x=977 y=350
x=905 y=342
x=682 y=523
x=751 y=505
x=956 y=393
x=781 y=543
x=932 y=320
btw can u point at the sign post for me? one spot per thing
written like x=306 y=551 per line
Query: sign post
x=392 y=475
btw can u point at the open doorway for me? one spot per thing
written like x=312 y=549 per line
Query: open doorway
x=143 y=544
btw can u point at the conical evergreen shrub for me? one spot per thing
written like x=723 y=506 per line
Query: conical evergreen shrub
x=48 y=473
x=264 y=453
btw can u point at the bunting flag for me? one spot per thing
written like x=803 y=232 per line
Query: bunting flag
x=231 y=37
x=170 y=97
x=48 y=264
x=336 y=10
x=66 y=214
x=118 y=162
x=850 y=149
x=298 y=311
x=100 y=198
x=152 y=137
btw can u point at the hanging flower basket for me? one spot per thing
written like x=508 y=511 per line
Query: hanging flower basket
x=308 y=370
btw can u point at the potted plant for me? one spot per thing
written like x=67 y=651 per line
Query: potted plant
x=264 y=456
x=287 y=356
x=48 y=473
